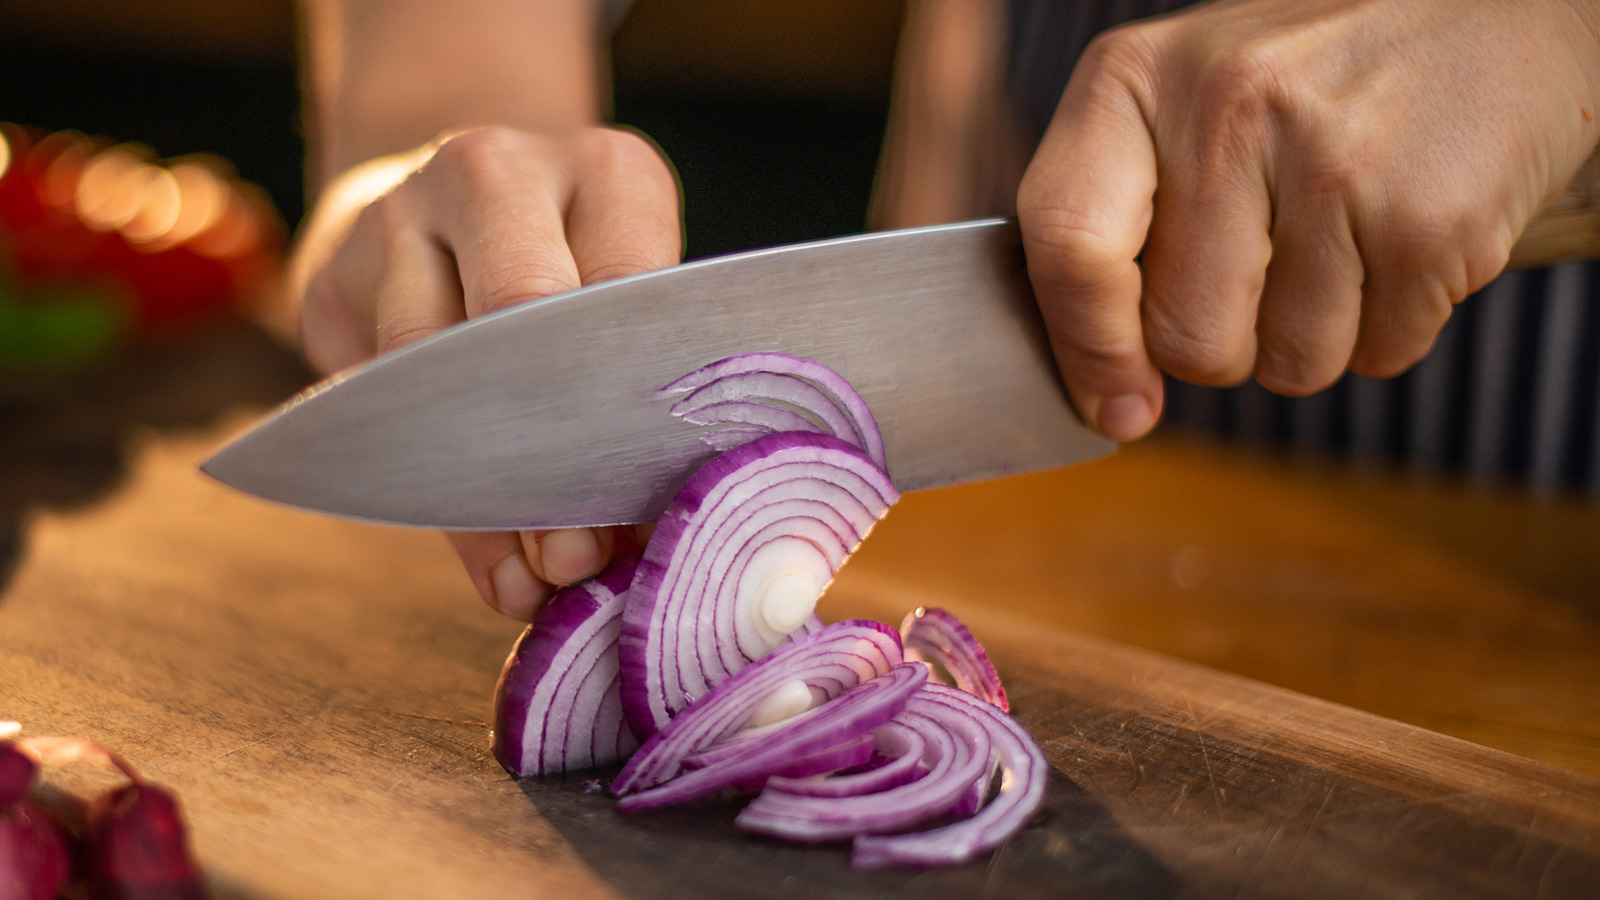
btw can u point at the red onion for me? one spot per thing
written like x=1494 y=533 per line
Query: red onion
x=557 y=704
x=898 y=759
x=1020 y=796
x=714 y=655
x=34 y=862
x=737 y=562
x=938 y=638
x=17 y=773
x=136 y=849
x=774 y=392
x=854 y=712
x=856 y=751
x=833 y=660
x=957 y=755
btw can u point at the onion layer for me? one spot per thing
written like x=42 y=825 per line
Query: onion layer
x=935 y=636
x=956 y=754
x=737 y=562
x=760 y=393
x=557 y=704
x=1026 y=772
x=853 y=713
x=833 y=660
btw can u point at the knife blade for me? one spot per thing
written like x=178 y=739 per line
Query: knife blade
x=546 y=415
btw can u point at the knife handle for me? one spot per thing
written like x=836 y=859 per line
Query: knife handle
x=1567 y=229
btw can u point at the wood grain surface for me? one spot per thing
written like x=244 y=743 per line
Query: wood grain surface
x=316 y=690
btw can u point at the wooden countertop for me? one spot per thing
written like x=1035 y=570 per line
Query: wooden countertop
x=1470 y=610
x=316 y=689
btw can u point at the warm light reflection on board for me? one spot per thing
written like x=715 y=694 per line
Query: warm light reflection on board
x=5 y=154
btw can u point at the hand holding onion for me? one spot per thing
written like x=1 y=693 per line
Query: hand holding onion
x=1291 y=189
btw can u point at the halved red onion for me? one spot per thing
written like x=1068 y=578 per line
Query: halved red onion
x=957 y=755
x=855 y=712
x=833 y=660
x=558 y=704
x=1026 y=772
x=935 y=636
x=737 y=562
x=776 y=392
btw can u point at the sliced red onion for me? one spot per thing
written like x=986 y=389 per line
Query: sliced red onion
x=855 y=712
x=833 y=660
x=737 y=562
x=758 y=389
x=937 y=637
x=957 y=755
x=1021 y=794
x=898 y=756
x=34 y=861
x=856 y=751
x=558 y=705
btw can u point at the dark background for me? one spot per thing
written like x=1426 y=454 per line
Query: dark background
x=773 y=113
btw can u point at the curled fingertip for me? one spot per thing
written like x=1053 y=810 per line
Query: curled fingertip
x=1125 y=418
x=570 y=555
x=517 y=593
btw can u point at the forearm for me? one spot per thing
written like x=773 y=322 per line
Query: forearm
x=387 y=75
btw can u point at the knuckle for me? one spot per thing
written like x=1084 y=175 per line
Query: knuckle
x=1069 y=240
x=1119 y=57
x=527 y=276
x=1295 y=372
x=1196 y=349
x=1247 y=82
x=402 y=330
x=477 y=157
x=618 y=265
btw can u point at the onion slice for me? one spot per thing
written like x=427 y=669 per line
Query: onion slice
x=737 y=562
x=558 y=704
x=854 y=712
x=1026 y=772
x=899 y=754
x=957 y=754
x=935 y=636
x=832 y=660
x=776 y=392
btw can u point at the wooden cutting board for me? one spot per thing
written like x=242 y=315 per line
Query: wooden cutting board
x=316 y=692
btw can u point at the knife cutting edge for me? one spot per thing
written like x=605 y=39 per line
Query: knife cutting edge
x=546 y=415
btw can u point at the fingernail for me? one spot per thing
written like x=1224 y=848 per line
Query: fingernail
x=1126 y=417
x=571 y=554
x=516 y=592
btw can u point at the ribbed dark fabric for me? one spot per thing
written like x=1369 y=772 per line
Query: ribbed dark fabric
x=1511 y=390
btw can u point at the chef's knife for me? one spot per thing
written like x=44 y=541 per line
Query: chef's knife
x=546 y=414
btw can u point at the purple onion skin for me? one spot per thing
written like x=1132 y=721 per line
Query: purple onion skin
x=718 y=714
x=136 y=847
x=34 y=861
x=639 y=696
x=535 y=650
x=855 y=752
x=995 y=823
x=936 y=635
x=17 y=773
